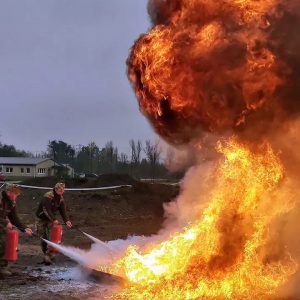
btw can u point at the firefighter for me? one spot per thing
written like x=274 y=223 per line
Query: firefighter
x=52 y=202
x=8 y=218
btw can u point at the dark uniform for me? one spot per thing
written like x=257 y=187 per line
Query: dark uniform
x=8 y=211
x=46 y=214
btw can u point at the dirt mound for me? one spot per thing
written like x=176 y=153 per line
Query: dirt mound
x=102 y=180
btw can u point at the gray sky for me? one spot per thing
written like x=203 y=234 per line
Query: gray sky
x=63 y=72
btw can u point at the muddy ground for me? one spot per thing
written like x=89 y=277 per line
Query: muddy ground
x=107 y=215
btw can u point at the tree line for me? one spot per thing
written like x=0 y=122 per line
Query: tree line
x=142 y=161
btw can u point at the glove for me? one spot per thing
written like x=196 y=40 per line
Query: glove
x=28 y=231
x=55 y=222
x=69 y=224
x=9 y=226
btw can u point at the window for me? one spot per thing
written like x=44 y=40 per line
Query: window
x=27 y=170
x=22 y=170
x=9 y=170
x=41 y=170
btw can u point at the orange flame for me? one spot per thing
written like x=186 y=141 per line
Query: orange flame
x=210 y=66
x=220 y=256
x=218 y=66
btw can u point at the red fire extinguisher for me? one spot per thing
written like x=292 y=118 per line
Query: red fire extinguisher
x=11 y=245
x=56 y=235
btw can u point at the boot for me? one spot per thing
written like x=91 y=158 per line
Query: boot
x=47 y=260
x=52 y=256
x=4 y=271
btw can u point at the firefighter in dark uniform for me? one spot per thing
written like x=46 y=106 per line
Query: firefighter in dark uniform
x=8 y=218
x=52 y=202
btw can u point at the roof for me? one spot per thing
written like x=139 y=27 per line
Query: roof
x=21 y=160
x=67 y=165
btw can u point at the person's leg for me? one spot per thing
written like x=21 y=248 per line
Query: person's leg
x=43 y=232
x=3 y=262
x=43 y=228
x=47 y=228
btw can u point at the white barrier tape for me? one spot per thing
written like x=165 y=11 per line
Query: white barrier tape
x=76 y=189
x=69 y=189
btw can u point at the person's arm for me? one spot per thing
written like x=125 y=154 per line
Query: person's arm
x=62 y=211
x=14 y=219
x=3 y=219
x=46 y=205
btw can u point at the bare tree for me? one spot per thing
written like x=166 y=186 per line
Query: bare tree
x=123 y=163
x=136 y=149
x=123 y=158
x=153 y=153
x=93 y=152
x=169 y=157
x=109 y=157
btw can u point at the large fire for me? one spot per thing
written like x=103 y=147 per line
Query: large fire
x=226 y=68
x=222 y=254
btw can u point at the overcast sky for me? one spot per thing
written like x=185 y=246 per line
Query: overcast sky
x=63 y=72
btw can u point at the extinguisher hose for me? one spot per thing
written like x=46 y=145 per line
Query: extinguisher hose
x=74 y=227
x=36 y=236
x=78 y=229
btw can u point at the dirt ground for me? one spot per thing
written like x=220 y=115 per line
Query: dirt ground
x=107 y=215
